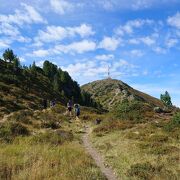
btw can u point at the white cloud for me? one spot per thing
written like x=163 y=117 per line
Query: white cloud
x=136 y=52
x=77 y=47
x=133 y=41
x=84 y=30
x=61 y=6
x=148 y=40
x=40 y=63
x=131 y=25
x=93 y=70
x=9 y=23
x=104 y=57
x=171 y=42
x=13 y=33
x=40 y=53
x=3 y=44
x=34 y=16
x=9 y=30
x=109 y=43
x=26 y=16
x=159 y=50
x=174 y=20
x=133 y=4
x=57 y=33
x=123 y=64
x=22 y=59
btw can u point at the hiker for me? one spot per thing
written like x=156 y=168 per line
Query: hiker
x=69 y=107
x=45 y=103
x=77 y=111
x=52 y=103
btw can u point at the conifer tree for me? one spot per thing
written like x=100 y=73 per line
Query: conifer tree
x=166 y=99
x=9 y=55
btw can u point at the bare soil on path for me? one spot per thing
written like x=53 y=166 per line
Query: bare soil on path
x=107 y=171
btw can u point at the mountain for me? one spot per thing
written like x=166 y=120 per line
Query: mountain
x=110 y=92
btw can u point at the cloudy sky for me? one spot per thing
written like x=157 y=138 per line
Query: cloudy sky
x=138 y=39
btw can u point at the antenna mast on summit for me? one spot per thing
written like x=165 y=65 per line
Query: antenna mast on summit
x=109 y=77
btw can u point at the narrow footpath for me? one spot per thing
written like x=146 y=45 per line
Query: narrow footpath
x=107 y=171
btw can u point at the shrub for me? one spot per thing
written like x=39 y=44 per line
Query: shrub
x=54 y=138
x=158 y=138
x=10 y=130
x=174 y=123
x=146 y=171
x=22 y=116
x=134 y=111
x=18 y=129
x=110 y=125
x=157 y=148
x=50 y=124
x=141 y=171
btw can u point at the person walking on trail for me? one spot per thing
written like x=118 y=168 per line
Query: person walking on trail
x=45 y=103
x=52 y=103
x=77 y=111
x=69 y=107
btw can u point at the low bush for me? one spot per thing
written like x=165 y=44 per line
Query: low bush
x=141 y=171
x=10 y=130
x=58 y=109
x=54 y=138
x=158 y=138
x=110 y=125
x=157 y=148
x=174 y=123
x=147 y=171
x=22 y=116
x=50 y=124
x=134 y=111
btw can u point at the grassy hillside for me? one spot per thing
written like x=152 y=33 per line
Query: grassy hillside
x=44 y=145
x=28 y=87
x=21 y=89
x=140 y=151
x=110 y=92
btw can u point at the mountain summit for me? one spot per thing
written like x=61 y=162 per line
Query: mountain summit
x=110 y=92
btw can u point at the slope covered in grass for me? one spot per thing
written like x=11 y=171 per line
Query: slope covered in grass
x=44 y=145
x=147 y=149
x=111 y=92
x=29 y=87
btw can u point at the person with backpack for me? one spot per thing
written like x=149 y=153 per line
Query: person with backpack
x=69 y=107
x=77 y=111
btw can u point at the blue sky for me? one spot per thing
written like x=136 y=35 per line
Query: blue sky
x=138 y=39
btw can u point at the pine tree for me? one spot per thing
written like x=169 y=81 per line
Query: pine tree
x=9 y=55
x=166 y=99
x=16 y=63
x=56 y=85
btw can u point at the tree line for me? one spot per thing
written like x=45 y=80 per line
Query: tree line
x=50 y=81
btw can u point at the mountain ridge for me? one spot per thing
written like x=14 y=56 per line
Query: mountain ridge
x=110 y=92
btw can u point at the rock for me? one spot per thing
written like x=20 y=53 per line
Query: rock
x=98 y=121
x=158 y=110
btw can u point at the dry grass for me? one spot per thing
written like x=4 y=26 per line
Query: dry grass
x=50 y=150
x=141 y=152
x=22 y=160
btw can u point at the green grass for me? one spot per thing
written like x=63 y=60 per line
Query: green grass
x=140 y=152
x=22 y=160
x=44 y=145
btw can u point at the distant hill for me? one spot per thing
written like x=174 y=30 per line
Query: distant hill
x=110 y=92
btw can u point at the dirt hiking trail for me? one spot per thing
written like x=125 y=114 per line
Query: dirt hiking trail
x=107 y=171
